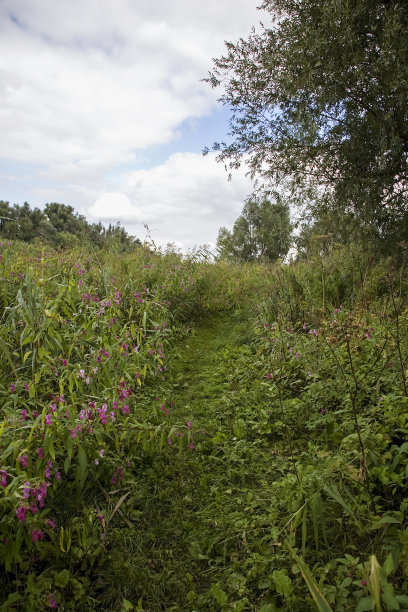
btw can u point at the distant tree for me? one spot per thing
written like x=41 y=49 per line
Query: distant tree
x=320 y=96
x=262 y=231
x=61 y=226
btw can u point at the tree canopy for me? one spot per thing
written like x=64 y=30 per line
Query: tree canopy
x=61 y=226
x=320 y=97
x=262 y=231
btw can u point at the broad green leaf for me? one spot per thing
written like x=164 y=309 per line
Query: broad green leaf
x=283 y=583
x=61 y=579
x=219 y=594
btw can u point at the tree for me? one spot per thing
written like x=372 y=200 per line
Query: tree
x=320 y=97
x=262 y=231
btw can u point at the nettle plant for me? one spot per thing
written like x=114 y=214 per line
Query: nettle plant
x=78 y=342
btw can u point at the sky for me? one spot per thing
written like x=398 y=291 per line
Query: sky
x=102 y=107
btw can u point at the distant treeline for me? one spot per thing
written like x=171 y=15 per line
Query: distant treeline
x=60 y=225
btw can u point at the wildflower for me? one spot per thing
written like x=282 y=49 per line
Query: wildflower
x=26 y=490
x=23 y=414
x=170 y=442
x=40 y=453
x=36 y=534
x=191 y=446
x=268 y=376
x=101 y=452
x=188 y=424
x=3 y=481
x=58 y=475
x=12 y=387
x=21 y=513
x=47 y=473
x=23 y=460
x=53 y=407
x=363 y=583
x=50 y=523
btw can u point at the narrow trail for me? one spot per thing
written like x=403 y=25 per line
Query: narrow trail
x=202 y=508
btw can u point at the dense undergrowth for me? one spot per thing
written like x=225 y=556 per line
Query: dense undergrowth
x=183 y=435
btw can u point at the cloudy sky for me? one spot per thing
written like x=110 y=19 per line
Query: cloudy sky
x=102 y=108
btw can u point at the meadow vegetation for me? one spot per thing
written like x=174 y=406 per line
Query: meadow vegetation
x=183 y=434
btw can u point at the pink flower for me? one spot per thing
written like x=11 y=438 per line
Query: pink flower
x=48 y=419
x=40 y=453
x=58 y=475
x=23 y=414
x=188 y=424
x=3 y=481
x=36 y=534
x=21 y=513
x=12 y=387
x=23 y=460
x=268 y=376
x=50 y=523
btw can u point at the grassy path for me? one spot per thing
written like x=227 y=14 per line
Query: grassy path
x=202 y=512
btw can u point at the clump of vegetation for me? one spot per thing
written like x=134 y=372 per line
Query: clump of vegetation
x=180 y=434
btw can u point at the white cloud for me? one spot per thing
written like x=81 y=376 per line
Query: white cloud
x=186 y=200
x=95 y=81
x=88 y=85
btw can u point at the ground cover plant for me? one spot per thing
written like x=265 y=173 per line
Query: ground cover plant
x=178 y=434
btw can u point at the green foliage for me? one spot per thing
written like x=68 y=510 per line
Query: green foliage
x=318 y=97
x=261 y=232
x=59 y=225
x=178 y=434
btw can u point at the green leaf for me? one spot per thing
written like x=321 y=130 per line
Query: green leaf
x=219 y=594
x=387 y=520
x=365 y=604
x=319 y=599
x=61 y=579
x=82 y=463
x=388 y=566
x=127 y=605
x=283 y=583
